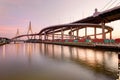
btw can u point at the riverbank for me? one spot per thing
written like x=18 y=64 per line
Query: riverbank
x=108 y=47
x=4 y=41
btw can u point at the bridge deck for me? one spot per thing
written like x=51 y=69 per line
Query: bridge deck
x=108 y=16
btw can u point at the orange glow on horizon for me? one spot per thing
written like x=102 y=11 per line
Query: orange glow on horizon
x=9 y=31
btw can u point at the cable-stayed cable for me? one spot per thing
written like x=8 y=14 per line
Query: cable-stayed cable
x=106 y=5
x=117 y=4
x=111 y=4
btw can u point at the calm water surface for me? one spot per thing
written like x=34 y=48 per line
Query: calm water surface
x=28 y=61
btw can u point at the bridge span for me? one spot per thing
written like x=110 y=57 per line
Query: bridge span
x=97 y=20
x=72 y=31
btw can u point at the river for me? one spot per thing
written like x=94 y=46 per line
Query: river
x=38 y=61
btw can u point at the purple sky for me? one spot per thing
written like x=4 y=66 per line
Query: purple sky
x=16 y=14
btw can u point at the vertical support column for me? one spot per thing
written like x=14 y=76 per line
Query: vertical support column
x=53 y=36
x=40 y=37
x=34 y=36
x=71 y=33
x=77 y=33
x=95 y=31
x=85 y=31
x=44 y=36
x=110 y=34
x=103 y=30
x=47 y=37
x=62 y=34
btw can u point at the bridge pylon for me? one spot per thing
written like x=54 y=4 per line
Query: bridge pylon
x=30 y=30
x=17 y=33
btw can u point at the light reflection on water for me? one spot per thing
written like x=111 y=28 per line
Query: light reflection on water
x=54 y=62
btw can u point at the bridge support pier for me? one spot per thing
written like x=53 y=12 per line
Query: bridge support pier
x=85 y=32
x=95 y=31
x=77 y=32
x=53 y=36
x=71 y=34
x=62 y=34
x=45 y=36
x=103 y=30
x=111 y=35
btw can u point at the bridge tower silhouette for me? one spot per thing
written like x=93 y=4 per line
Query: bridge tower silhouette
x=17 y=33
x=30 y=30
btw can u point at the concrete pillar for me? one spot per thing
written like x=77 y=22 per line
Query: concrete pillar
x=77 y=33
x=71 y=33
x=103 y=30
x=40 y=37
x=95 y=31
x=110 y=34
x=85 y=31
x=47 y=37
x=44 y=36
x=62 y=34
x=53 y=36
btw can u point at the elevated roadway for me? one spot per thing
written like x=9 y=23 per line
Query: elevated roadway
x=94 y=21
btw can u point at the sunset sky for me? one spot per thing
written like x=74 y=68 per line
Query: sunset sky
x=16 y=14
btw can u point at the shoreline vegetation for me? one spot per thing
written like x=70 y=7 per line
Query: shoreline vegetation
x=4 y=41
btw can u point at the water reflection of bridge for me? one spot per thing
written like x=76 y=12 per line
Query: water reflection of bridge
x=95 y=60
x=92 y=59
x=99 y=62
